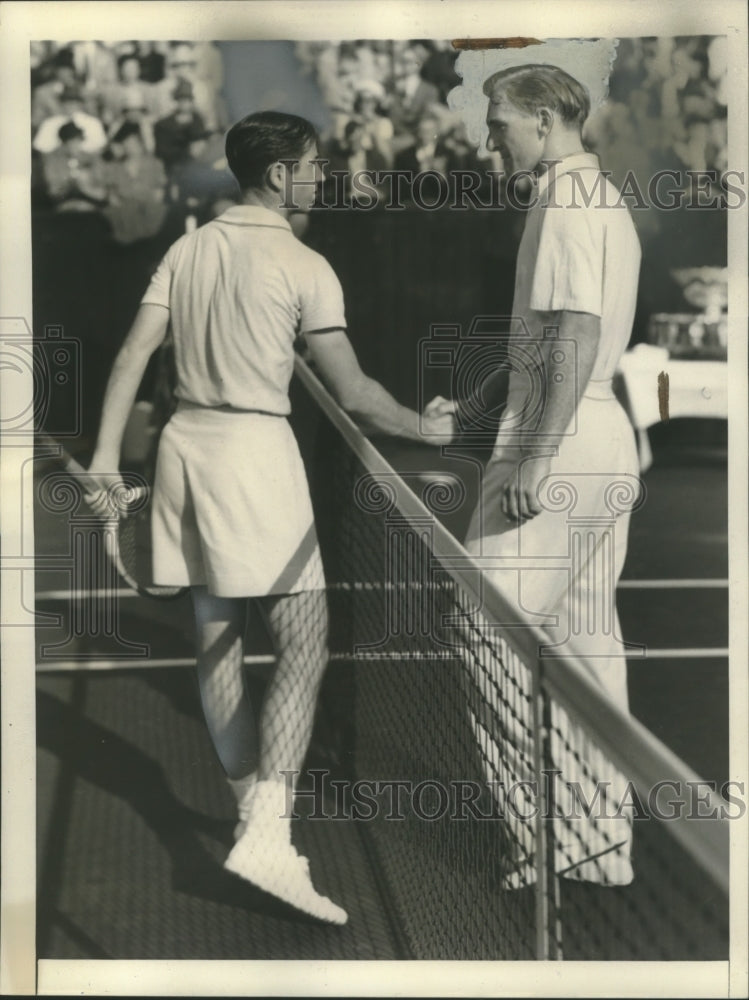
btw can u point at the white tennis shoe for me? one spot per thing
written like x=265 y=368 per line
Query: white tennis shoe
x=277 y=868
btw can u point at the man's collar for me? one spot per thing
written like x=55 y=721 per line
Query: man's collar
x=253 y=215
x=565 y=165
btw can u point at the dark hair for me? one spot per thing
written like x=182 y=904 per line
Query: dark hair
x=537 y=86
x=127 y=57
x=126 y=130
x=263 y=138
x=360 y=98
x=69 y=131
x=352 y=125
x=63 y=58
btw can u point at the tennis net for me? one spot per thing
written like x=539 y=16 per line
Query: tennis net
x=507 y=803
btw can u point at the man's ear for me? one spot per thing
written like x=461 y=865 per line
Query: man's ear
x=545 y=120
x=275 y=176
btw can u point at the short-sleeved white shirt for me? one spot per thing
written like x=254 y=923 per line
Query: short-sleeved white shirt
x=580 y=257
x=240 y=290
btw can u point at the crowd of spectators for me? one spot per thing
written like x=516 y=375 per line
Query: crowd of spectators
x=388 y=103
x=128 y=131
x=388 y=106
x=666 y=107
x=127 y=151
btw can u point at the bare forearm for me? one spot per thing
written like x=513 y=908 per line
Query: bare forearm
x=119 y=397
x=567 y=371
x=368 y=402
x=145 y=335
x=372 y=405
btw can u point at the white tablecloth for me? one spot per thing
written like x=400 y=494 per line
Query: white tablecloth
x=695 y=389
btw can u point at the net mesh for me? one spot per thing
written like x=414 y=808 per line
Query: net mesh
x=453 y=740
x=456 y=739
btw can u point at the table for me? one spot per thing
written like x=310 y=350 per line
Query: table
x=695 y=389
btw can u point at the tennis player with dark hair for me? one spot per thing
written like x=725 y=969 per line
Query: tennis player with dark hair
x=576 y=279
x=232 y=516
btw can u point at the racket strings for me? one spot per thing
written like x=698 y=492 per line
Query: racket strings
x=134 y=548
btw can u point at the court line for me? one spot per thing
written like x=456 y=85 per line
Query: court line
x=63 y=595
x=67 y=666
x=676 y=584
x=63 y=666
x=711 y=652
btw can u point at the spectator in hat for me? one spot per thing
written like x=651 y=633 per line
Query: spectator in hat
x=95 y=63
x=71 y=110
x=203 y=178
x=73 y=177
x=369 y=108
x=129 y=90
x=152 y=61
x=42 y=57
x=438 y=66
x=182 y=68
x=134 y=112
x=135 y=181
x=352 y=156
x=428 y=151
x=174 y=133
x=414 y=96
x=55 y=75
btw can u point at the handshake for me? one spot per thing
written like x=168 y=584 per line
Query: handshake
x=438 y=425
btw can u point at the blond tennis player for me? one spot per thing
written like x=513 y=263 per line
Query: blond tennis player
x=565 y=453
x=232 y=516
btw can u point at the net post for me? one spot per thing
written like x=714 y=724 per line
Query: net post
x=530 y=701
x=554 y=910
x=541 y=859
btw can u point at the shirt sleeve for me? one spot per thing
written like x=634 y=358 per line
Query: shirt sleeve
x=570 y=261
x=321 y=299
x=158 y=291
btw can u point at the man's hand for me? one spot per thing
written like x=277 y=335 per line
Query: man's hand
x=438 y=429
x=438 y=406
x=438 y=421
x=520 y=500
x=106 y=490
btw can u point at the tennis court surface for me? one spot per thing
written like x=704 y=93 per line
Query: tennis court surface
x=135 y=818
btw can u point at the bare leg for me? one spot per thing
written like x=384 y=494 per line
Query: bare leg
x=264 y=854
x=299 y=626
x=221 y=623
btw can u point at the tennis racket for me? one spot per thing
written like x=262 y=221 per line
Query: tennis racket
x=127 y=528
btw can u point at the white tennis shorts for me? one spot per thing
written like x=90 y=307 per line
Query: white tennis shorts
x=231 y=506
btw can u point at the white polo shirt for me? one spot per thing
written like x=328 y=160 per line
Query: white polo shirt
x=240 y=290
x=580 y=257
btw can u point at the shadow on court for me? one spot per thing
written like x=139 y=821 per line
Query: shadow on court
x=135 y=819
x=138 y=823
